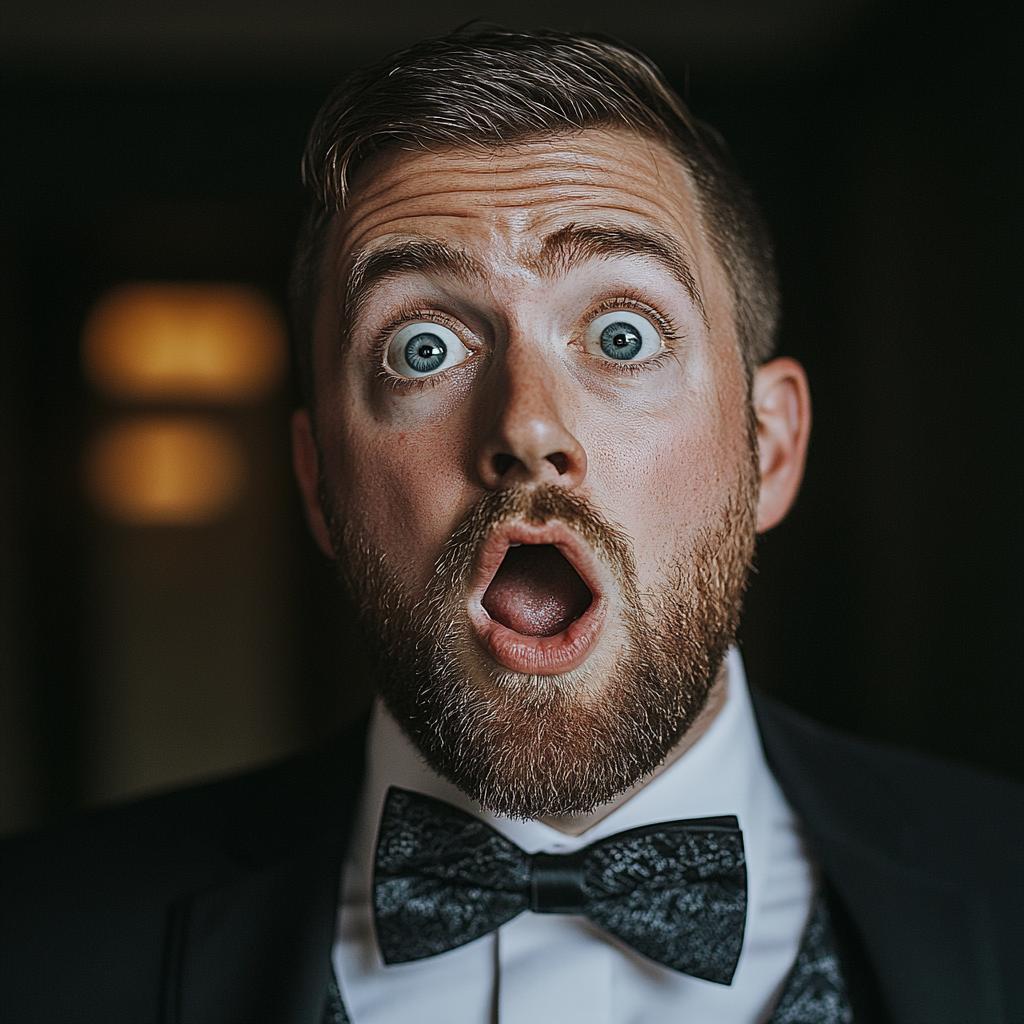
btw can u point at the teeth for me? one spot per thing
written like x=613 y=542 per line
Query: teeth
x=516 y=544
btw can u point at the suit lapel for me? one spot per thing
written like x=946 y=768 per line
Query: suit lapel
x=256 y=946
x=928 y=939
x=928 y=942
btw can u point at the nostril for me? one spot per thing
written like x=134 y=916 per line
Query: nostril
x=560 y=461
x=503 y=463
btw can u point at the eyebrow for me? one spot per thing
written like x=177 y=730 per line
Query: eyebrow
x=415 y=255
x=574 y=244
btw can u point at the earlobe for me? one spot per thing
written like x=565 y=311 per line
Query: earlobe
x=782 y=406
x=306 y=460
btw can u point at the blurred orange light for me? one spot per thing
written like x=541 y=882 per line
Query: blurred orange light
x=165 y=470
x=185 y=342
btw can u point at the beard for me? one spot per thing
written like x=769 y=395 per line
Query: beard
x=530 y=746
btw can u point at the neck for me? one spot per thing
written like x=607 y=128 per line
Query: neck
x=577 y=824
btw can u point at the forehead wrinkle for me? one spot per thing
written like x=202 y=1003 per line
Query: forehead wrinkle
x=417 y=182
x=552 y=190
x=353 y=222
x=413 y=183
x=574 y=244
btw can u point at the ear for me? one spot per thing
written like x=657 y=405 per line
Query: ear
x=782 y=405
x=306 y=460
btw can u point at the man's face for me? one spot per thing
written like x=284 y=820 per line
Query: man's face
x=535 y=456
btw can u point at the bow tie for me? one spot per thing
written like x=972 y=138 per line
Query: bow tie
x=675 y=891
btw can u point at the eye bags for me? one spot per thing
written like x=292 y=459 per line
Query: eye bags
x=420 y=349
x=622 y=335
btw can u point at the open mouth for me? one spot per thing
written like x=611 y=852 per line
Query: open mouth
x=537 y=599
x=536 y=591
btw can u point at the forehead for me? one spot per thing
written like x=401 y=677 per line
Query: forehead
x=508 y=201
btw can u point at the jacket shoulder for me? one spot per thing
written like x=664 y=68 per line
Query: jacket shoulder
x=942 y=817
x=925 y=856
x=91 y=899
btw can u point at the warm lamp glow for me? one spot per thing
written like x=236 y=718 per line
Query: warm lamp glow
x=185 y=342
x=162 y=470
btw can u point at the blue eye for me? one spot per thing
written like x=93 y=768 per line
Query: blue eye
x=624 y=336
x=421 y=349
x=621 y=340
x=425 y=353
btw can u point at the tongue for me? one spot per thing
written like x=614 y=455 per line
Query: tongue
x=536 y=592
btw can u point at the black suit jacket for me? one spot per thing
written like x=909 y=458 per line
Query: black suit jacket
x=217 y=904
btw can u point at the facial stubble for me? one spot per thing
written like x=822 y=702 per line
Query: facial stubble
x=531 y=746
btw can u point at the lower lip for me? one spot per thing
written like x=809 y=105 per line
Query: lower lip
x=540 y=655
x=536 y=655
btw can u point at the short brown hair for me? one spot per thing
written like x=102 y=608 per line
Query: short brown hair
x=490 y=87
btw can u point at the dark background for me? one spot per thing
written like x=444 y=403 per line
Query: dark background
x=884 y=142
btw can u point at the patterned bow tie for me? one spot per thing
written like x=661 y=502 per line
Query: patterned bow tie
x=675 y=891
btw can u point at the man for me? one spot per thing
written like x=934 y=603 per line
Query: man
x=535 y=316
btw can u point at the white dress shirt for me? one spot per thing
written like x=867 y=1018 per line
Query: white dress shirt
x=540 y=968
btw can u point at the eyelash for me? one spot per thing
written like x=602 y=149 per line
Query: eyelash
x=663 y=324
x=379 y=348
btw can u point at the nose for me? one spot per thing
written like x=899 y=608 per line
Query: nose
x=528 y=440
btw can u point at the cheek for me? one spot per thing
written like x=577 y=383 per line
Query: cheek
x=665 y=476
x=662 y=477
x=391 y=476
x=403 y=490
